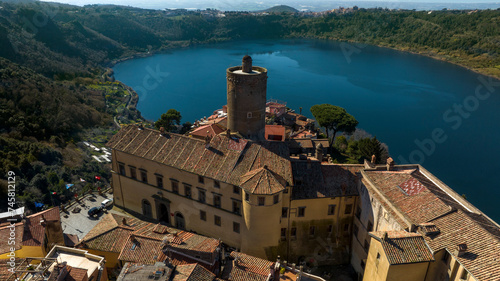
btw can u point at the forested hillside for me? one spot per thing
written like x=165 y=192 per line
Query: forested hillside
x=55 y=89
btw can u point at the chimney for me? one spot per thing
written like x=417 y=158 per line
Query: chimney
x=390 y=164
x=460 y=250
x=124 y=221
x=246 y=65
x=162 y=130
x=374 y=159
x=224 y=109
x=228 y=133
x=319 y=152
x=385 y=236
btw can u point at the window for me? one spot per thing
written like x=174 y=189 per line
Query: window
x=348 y=209
x=346 y=227
x=201 y=196
x=203 y=215
x=262 y=200
x=369 y=227
x=355 y=230
x=284 y=212
x=358 y=212
x=217 y=221
x=236 y=190
x=216 y=184
x=217 y=201
x=187 y=191
x=276 y=199
x=201 y=179
x=331 y=209
x=312 y=230
x=302 y=211
x=236 y=227
x=122 y=169
x=159 y=181
x=283 y=233
x=293 y=232
x=144 y=176
x=146 y=208
x=465 y=274
x=133 y=173
x=330 y=229
x=446 y=256
x=367 y=245
x=247 y=197
x=378 y=256
x=237 y=207
x=175 y=187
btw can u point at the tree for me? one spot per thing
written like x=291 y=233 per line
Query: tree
x=334 y=118
x=168 y=120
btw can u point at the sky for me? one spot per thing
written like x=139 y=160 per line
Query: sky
x=313 y=5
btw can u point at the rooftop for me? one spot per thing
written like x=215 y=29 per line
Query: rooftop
x=225 y=159
x=403 y=247
x=246 y=268
x=162 y=272
x=444 y=219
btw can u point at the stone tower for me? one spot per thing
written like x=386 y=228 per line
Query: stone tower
x=246 y=99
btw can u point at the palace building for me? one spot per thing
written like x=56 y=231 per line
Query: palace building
x=267 y=198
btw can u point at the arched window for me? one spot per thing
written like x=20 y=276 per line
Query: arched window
x=146 y=208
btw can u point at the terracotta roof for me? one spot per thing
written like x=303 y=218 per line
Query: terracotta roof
x=208 y=130
x=246 y=268
x=316 y=180
x=482 y=257
x=402 y=247
x=442 y=220
x=425 y=202
x=262 y=181
x=192 y=272
x=29 y=233
x=275 y=130
x=111 y=235
x=34 y=230
x=70 y=240
x=219 y=160
x=142 y=249
x=4 y=267
x=76 y=274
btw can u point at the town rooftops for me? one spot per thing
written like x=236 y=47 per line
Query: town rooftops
x=222 y=159
x=317 y=180
x=209 y=130
x=162 y=272
x=246 y=268
x=262 y=181
x=29 y=232
x=140 y=241
x=402 y=247
x=419 y=201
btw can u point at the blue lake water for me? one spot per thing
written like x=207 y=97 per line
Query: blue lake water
x=430 y=112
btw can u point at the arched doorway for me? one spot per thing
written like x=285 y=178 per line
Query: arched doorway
x=146 y=208
x=163 y=214
x=179 y=221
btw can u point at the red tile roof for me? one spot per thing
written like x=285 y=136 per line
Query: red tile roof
x=262 y=181
x=275 y=130
x=76 y=274
x=208 y=130
x=317 y=180
x=224 y=159
x=402 y=247
x=246 y=268
x=192 y=272
x=4 y=267
x=111 y=235
x=29 y=233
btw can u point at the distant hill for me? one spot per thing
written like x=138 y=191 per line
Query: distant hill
x=281 y=9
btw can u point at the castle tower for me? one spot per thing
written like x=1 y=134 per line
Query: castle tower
x=246 y=99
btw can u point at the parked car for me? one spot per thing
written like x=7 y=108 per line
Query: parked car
x=106 y=203
x=94 y=211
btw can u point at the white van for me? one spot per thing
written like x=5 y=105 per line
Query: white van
x=106 y=203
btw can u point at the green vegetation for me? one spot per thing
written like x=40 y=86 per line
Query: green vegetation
x=357 y=148
x=168 y=120
x=333 y=118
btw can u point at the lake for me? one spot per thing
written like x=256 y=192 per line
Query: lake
x=430 y=112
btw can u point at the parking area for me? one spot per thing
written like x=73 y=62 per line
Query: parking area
x=76 y=220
